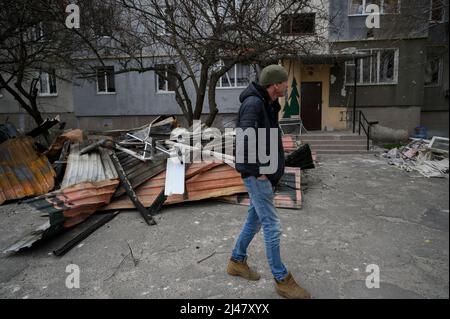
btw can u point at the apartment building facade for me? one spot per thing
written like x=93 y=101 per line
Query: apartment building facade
x=402 y=82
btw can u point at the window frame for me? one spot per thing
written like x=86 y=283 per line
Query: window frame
x=440 y=73
x=292 y=16
x=48 y=76
x=220 y=86
x=378 y=60
x=106 y=92
x=431 y=13
x=166 y=84
x=365 y=7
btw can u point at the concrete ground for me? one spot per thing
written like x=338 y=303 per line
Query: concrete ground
x=357 y=211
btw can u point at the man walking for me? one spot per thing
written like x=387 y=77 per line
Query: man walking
x=259 y=109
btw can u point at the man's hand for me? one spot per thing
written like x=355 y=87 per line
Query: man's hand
x=262 y=177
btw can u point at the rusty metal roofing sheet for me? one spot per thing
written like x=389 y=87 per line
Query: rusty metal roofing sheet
x=289 y=143
x=66 y=208
x=203 y=180
x=92 y=167
x=287 y=195
x=23 y=171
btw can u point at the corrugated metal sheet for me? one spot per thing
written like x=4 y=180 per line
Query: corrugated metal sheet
x=66 y=208
x=287 y=195
x=92 y=167
x=289 y=143
x=203 y=180
x=137 y=171
x=23 y=171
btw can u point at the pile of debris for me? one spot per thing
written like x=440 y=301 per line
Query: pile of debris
x=143 y=169
x=428 y=157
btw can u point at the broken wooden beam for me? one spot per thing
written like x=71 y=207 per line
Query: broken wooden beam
x=130 y=191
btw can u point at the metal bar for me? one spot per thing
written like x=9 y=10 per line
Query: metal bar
x=130 y=191
x=354 y=95
x=368 y=137
x=84 y=234
x=359 y=123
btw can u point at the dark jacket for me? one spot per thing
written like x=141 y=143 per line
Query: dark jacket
x=259 y=111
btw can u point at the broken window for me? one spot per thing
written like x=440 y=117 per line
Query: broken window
x=105 y=80
x=432 y=70
x=165 y=78
x=161 y=24
x=47 y=83
x=299 y=23
x=237 y=77
x=379 y=68
x=387 y=66
x=391 y=6
x=350 y=72
x=437 y=11
x=356 y=7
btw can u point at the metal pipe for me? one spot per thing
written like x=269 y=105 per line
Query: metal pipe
x=355 y=60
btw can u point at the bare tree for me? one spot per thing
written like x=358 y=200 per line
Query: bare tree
x=204 y=39
x=34 y=39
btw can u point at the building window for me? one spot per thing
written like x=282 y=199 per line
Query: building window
x=433 y=72
x=380 y=68
x=161 y=25
x=358 y=7
x=47 y=83
x=437 y=11
x=237 y=77
x=166 y=80
x=105 y=80
x=298 y=24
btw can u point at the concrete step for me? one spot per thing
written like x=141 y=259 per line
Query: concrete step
x=333 y=138
x=331 y=152
x=357 y=147
x=336 y=142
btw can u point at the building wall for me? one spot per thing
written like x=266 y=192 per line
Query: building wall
x=407 y=24
x=49 y=106
x=331 y=117
x=409 y=103
x=136 y=94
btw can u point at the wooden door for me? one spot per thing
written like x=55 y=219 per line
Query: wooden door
x=311 y=105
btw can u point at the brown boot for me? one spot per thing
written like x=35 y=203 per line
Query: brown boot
x=289 y=289
x=240 y=268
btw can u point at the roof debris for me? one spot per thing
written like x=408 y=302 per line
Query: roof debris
x=429 y=158
x=143 y=168
x=23 y=171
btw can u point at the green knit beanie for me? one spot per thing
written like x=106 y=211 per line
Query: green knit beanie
x=273 y=74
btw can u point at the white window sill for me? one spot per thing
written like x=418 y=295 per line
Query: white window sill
x=165 y=92
x=371 y=84
x=47 y=94
x=367 y=14
x=231 y=88
x=106 y=93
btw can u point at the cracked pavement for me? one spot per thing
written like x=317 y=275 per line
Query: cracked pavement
x=357 y=210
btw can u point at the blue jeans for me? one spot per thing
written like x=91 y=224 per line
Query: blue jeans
x=261 y=212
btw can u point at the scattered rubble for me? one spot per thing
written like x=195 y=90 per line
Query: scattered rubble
x=107 y=172
x=429 y=158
